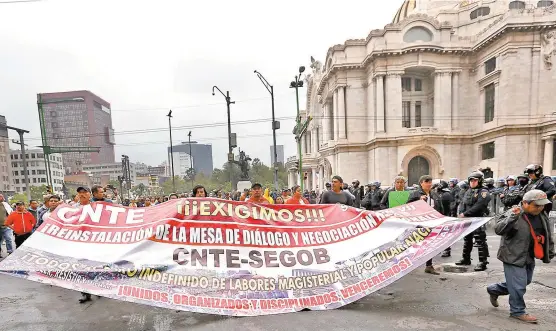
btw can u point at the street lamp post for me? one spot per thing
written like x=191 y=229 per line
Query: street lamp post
x=171 y=151
x=192 y=171
x=296 y=84
x=21 y=142
x=275 y=126
x=230 y=145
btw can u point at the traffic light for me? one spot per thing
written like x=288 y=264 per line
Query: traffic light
x=48 y=189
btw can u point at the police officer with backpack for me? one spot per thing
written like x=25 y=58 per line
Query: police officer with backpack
x=475 y=204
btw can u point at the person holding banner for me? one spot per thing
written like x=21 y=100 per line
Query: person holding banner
x=526 y=235
x=396 y=196
x=297 y=198
x=257 y=195
x=84 y=198
x=425 y=193
x=337 y=194
x=199 y=191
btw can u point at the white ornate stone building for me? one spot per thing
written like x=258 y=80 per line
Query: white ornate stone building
x=446 y=88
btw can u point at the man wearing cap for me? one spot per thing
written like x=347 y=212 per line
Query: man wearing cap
x=257 y=195
x=526 y=235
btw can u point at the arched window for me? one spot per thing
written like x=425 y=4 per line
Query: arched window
x=417 y=33
x=481 y=11
x=517 y=5
x=545 y=3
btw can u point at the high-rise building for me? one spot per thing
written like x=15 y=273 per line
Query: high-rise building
x=104 y=172
x=279 y=154
x=79 y=119
x=201 y=158
x=36 y=170
x=6 y=186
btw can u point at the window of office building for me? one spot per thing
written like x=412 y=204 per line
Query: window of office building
x=487 y=151
x=489 y=103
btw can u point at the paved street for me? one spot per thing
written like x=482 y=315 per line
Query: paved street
x=419 y=301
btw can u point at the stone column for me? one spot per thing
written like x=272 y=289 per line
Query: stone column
x=548 y=154
x=371 y=112
x=335 y=115
x=379 y=96
x=442 y=100
x=341 y=112
x=326 y=123
x=455 y=100
x=436 y=108
x=303 y=143
x=314 y=141
x=290 y=178
x=393 y=101
x=313 y=178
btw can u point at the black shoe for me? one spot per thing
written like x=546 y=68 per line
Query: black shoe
x=85 y=298
x=493 y=300
x=482 y=266
x=446 y=254
x=464 y=261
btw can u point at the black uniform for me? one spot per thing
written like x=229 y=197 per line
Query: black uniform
x=545 y=184
x=454 y=191
x=475 y=204
x=372 y=199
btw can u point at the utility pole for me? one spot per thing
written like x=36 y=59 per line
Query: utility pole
x=126 y=174
x=232 y=140
x=171 y=151
x=21 y=143
x=275 y=126
x=192 y=170
x=300 y=127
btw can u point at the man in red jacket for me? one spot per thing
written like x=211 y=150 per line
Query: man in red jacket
x=21 y=222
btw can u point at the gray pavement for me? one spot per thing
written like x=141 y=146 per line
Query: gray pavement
x=451 y=301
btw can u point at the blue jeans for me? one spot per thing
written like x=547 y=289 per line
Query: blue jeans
x=7 y=235
x=517 y=279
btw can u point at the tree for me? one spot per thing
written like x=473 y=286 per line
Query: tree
x=139 y=190
x=167 y=186
x=19 y=197
x=38 y=192
x=114 y=183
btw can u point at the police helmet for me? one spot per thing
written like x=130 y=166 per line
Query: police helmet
x=533 y=169
x=454 y=181
x=510 y=177
x=463 y=184
x=522 y=176
x=489 y=182
x=477 y=175
x=442 y=184
x=377 y=183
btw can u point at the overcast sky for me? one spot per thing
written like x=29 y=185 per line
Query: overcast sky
x=145 y=57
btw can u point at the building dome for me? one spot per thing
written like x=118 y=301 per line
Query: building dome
x=429 y=7
x=408 y=7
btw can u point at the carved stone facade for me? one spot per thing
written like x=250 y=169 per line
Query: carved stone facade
x=447 y=88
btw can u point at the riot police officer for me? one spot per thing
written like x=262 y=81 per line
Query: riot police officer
x=454 y=190
x=475 y=204
x=539 y=181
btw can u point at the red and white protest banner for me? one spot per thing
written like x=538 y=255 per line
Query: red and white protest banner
x=233 y=258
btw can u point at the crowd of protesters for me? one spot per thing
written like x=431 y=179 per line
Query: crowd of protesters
x=524 y=224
